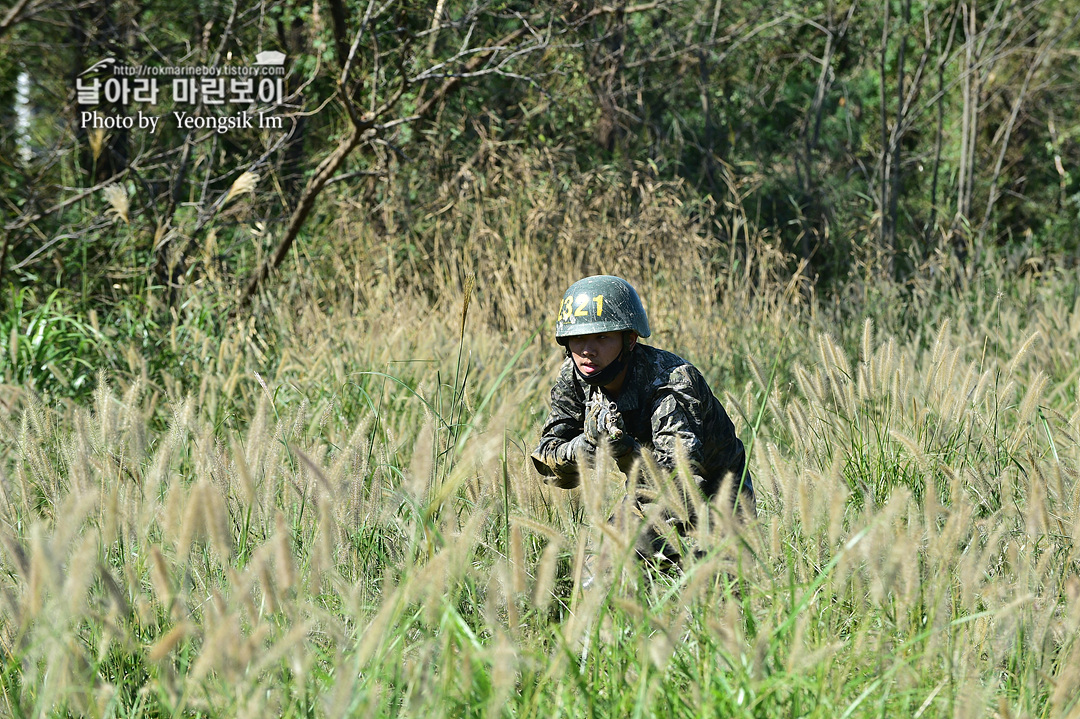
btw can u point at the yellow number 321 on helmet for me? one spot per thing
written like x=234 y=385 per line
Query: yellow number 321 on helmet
x=601 y=303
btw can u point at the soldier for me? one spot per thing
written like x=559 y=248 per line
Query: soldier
x=635 y=398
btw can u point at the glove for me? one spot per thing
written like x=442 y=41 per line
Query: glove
x=593 y=432
x=620 y=441
x=605 y=422
x=579 y=448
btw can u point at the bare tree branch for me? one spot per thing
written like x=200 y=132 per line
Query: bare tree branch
x=1040 y=58
x=323 y=174
x=366 y=128
x=13 y=16
x=27 y=219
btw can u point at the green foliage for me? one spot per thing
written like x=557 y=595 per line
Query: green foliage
x=783 y=111
x=47 y=348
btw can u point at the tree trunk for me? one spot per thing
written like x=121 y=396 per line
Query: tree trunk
x=885 y=231
x=897 y=134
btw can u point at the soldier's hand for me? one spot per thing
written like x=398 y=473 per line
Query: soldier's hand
x=608 y=418
x=611 y=425
x=622 y=444
x=594 y=407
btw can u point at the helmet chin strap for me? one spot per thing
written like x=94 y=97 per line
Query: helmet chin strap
x=607 y=375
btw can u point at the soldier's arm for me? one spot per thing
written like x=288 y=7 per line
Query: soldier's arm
x=562 y=442
x=677 y=419
x=678 y=416
x=711 y=444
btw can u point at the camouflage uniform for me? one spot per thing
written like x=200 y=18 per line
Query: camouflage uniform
x=664 y=400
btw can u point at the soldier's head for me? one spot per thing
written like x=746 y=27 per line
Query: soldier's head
x=599 y=321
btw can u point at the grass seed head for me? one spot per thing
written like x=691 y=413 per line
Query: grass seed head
x=545 y=576
x=517 y=561
x=1021 y=353
x=79 y=574
x=242 y=185
x=95 y=136
x=162 y=647
x=941 y=342
x=867 y=345
x=217 y=522
x=285 y=570
x=117 y=197
x=1032 y=398
x=159 y=578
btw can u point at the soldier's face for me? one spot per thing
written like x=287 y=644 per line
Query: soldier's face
x=594 y=352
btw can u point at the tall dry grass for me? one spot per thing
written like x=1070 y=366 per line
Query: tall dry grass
x=337 y=516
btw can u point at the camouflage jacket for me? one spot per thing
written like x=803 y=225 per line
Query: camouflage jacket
x=664 y=400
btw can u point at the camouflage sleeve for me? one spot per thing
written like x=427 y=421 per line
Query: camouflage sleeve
x=680 y=415
x=677 y=418
x=561 y=439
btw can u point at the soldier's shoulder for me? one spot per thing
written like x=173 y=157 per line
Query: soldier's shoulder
x=667 y=369
x=661 y=361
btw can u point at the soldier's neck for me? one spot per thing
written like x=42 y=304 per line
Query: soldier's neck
x=614 y=387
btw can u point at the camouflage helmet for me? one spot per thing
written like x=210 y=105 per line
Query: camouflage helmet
x=601 y=303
